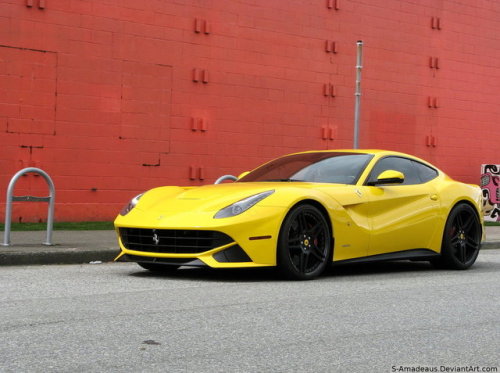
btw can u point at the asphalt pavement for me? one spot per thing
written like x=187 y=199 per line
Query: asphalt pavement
x=378 y=317
x=76 y=247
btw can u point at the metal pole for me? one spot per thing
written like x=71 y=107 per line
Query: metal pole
x=8 y=213
x=50 y=213
x=225 y=177
x=10 y=198
x=357 y=94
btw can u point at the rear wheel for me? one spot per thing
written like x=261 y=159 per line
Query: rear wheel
x=461 y=239
x=159 y=268
x=305 y=243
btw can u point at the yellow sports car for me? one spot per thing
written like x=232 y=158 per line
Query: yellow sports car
x=303 y=211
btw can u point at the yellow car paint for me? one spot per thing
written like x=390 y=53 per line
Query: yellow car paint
x=365 y=220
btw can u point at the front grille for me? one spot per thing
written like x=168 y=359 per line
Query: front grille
x=172 y=241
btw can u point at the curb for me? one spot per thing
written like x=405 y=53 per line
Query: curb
x=490 y=245
x=66 y=256
x=84 y=256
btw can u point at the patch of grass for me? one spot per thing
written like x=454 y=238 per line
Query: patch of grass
x=63 y=226
x=491 y=223
x=101 y=226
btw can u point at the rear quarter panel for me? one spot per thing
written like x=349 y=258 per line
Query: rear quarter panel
x=451 y=193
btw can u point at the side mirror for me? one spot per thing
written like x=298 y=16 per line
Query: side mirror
x=389 y=177
x=243 y=174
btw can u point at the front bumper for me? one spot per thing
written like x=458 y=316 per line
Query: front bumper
x=248 y=240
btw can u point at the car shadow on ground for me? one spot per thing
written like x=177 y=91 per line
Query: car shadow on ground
x=272 y=274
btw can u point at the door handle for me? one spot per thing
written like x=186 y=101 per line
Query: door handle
x=434 y=197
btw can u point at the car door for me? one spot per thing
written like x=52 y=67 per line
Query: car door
x=403 y=216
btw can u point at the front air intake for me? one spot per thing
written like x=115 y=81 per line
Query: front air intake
x=172 y=241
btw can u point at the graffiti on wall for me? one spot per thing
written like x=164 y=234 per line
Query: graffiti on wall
x=490 y=184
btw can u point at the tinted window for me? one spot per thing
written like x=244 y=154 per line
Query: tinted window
x=321 y=167
x=404 y=165
x=425 y=173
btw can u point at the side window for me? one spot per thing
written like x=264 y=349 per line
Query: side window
x=424 y=172
x=404 y=165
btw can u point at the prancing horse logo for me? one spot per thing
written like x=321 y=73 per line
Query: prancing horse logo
x=156 y=239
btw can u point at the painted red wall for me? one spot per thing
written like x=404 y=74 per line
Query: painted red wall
x=114 y=97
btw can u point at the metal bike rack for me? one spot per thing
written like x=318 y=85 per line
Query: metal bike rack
x=225 y=177
x=11 y=198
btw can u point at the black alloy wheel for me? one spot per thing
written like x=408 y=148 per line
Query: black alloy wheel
x=461 y=238
x=305 y=243
x=159 y=268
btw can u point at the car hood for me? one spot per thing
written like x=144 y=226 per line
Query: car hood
x=212 y=198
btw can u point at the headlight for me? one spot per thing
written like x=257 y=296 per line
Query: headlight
x=129 y=206
x=241 y=206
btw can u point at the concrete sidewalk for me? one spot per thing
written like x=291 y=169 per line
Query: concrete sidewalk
x=74 y=247
x=70 y=247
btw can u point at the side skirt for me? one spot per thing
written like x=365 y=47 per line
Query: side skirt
x=414 y=254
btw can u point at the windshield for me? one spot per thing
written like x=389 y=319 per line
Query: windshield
x=320 y=167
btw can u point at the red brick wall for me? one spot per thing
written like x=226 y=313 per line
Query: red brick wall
x=114 y=97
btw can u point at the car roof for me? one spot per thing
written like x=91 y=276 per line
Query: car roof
x=362 y=151
x=378 y=153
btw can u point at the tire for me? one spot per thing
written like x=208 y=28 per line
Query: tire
x=461 y=239
x=159 y=268
x=304 y=244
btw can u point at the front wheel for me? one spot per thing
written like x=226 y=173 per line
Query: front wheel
x=461 y=239
x=304 y=244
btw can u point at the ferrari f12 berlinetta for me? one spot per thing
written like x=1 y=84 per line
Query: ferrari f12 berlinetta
x=303 y=211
